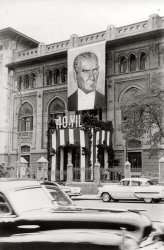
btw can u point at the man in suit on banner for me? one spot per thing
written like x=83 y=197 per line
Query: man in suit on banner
x=86 y=72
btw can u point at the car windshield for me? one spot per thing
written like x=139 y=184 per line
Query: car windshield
x=24 y=200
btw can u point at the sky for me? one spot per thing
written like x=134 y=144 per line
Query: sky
x=51 y=21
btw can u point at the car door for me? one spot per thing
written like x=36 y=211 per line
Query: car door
x=7 y=218
x=122 y=190
x=135 y=186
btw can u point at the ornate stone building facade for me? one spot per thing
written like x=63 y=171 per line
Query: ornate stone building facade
x=11 y=42
x=38 y=76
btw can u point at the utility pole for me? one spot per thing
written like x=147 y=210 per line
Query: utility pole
x=19 y=134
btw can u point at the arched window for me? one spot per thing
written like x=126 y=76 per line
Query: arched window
x=56 y=109
x=49 y=77
x=142 y=60
x=20 y=82
x=132 y=62
x=25 y=117
x=123 y=64
x=33 y=80
x=64 y=75
x=26 y=82
x=56 y=76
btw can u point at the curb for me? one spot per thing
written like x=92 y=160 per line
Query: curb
x=86 y=197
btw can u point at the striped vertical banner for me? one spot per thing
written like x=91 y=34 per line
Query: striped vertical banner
x=97 y=137
x=97 y=142
x=94 y=147
x=83 y=157
x=53 y=161
x=66 y=136
x=82 y=138
x=62 y=137
x=77 y=135
x=71 y=135
x=102 y=136
x=54 y=140
x=108 y=138
x=91 y=159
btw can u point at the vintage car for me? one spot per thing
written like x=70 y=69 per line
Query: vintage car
x=70 y=190
x=29 y=220
x=132 y=189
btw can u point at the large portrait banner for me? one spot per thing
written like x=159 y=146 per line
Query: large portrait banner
x=86 y=77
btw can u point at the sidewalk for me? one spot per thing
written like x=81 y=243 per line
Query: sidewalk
x=86 y=197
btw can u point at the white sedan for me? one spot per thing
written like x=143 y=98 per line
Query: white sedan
x=70 y=190
x=132 y=189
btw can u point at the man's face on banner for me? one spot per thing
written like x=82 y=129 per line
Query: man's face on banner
x=87 y=74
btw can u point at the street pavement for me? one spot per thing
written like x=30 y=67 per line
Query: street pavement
x=153 y=210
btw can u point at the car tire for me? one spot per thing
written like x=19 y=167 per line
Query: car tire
x=157 y=200
x=106 y=197
x=148 y=200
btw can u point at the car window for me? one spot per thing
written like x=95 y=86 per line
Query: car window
x=33 y=198
x=125 y=183
x=4 y=207
x=148 y=183
x=136 y=183
x=59 y=196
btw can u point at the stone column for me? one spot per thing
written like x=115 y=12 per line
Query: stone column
x=23 y=167
x=53 y=168
x=69 y=172
x=106 y=165
x=82 y=170
x=97 y=173
x=127 y=169
x=161 y=170
x=42 y=168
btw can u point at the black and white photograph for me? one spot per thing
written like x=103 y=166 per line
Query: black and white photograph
x=81 y=125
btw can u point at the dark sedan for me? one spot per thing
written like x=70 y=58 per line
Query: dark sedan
x=29 y=220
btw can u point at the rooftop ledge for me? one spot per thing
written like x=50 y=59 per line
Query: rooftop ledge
x=155 y=22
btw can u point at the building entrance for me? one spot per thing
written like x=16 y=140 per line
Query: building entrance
x=136 y=163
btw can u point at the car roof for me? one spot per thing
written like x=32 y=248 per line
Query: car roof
x=9 y=184
x=45 y=182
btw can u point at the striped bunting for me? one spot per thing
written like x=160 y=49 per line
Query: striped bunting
x=63 y=136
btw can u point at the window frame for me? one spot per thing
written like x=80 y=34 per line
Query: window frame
x=7 y=204
x=132 y=59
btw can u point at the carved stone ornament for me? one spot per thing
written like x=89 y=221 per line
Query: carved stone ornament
x=153 y=47
x=110 y=58
x=6 y=44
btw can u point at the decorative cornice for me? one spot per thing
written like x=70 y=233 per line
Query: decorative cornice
x=55 y=89
x=131 y=78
